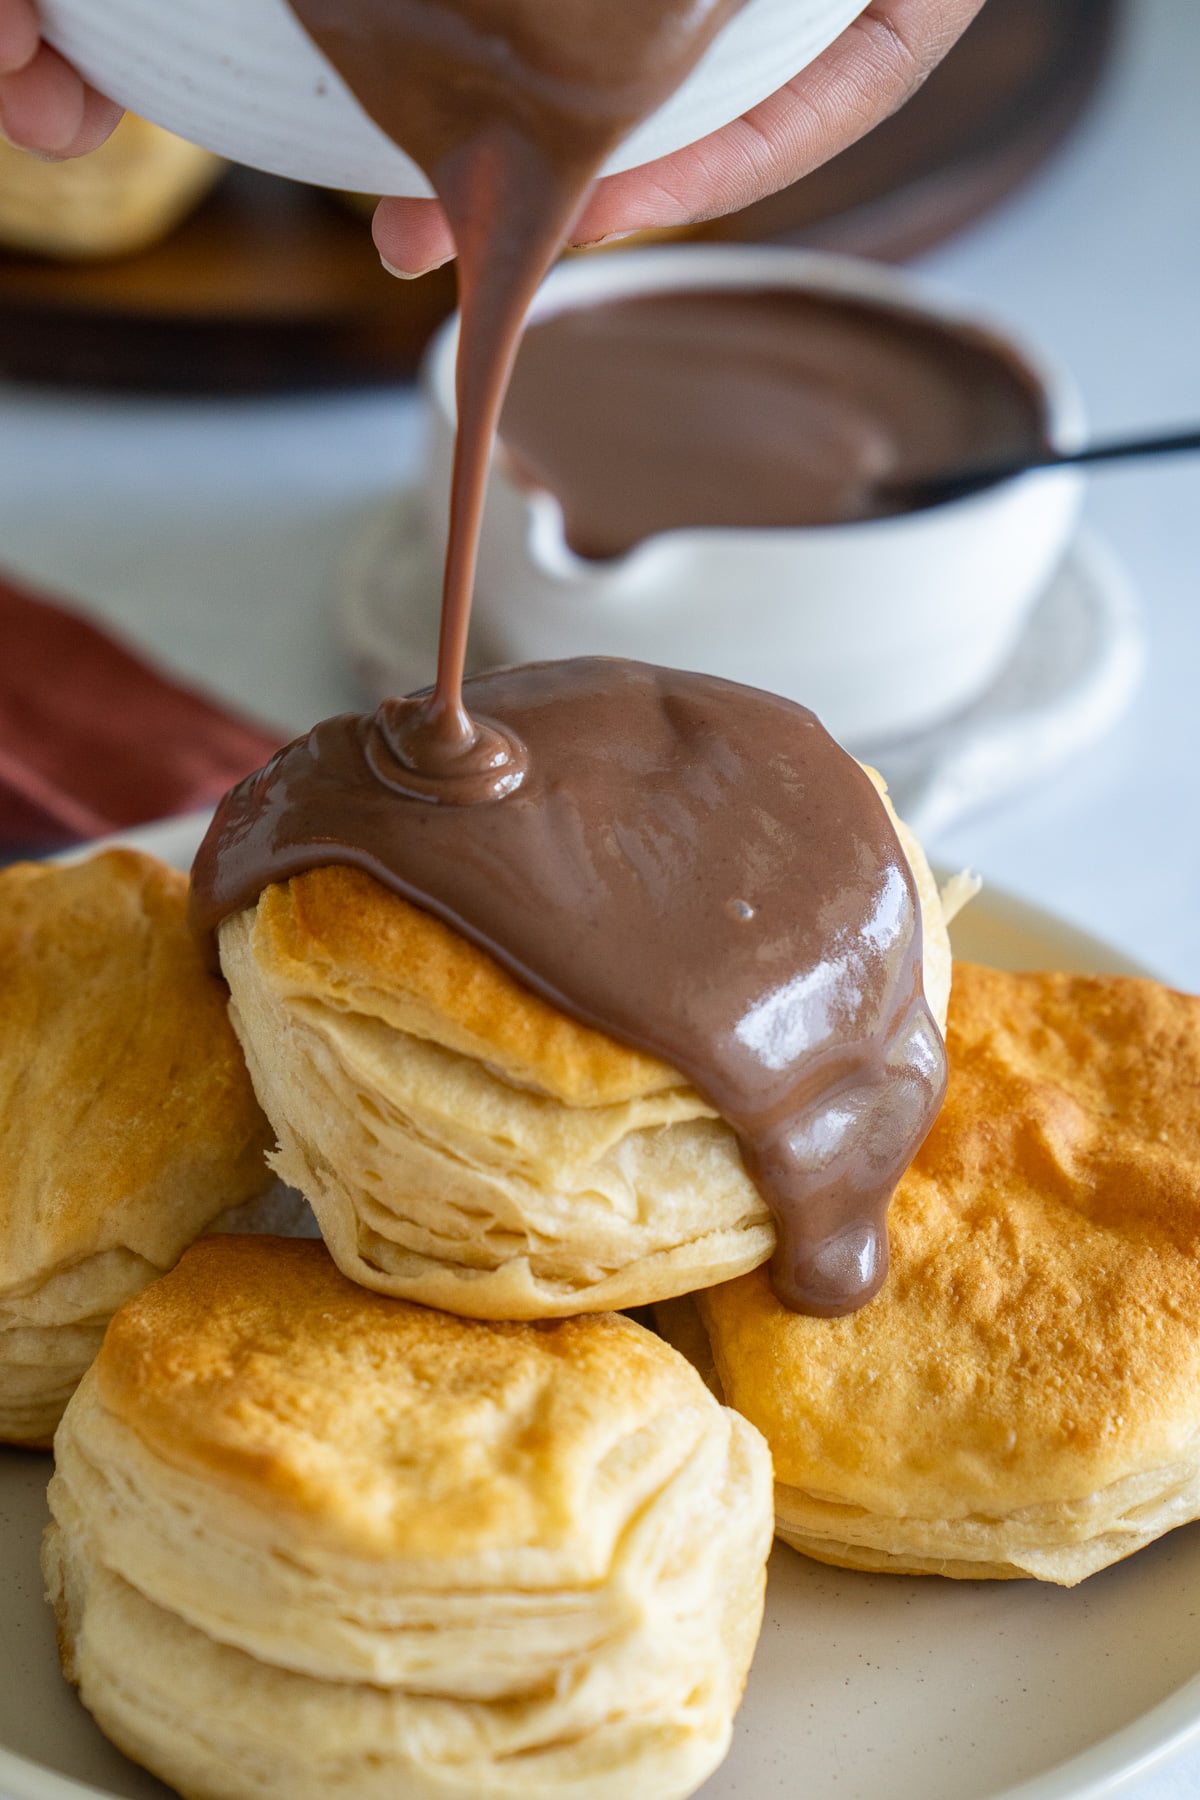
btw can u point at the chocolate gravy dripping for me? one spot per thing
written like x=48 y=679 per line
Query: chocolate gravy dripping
x=511 y=108
x=688 y=865
x=693 y=867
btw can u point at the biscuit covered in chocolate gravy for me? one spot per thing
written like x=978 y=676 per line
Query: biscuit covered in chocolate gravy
x=689 y=865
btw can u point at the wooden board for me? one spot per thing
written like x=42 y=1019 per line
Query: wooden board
x=984 y=122
x=271 y=287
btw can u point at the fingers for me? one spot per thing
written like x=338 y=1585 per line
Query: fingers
x=876 y=64
x=44 y=105
x=412 y=236
x=101 y=117
x=18 y=35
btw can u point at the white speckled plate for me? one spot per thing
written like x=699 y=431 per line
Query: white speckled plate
x=865 y=1687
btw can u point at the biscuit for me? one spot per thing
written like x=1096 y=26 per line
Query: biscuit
x=127 y=1119
x=120 y=199
x=308 y=1539
x=1023 y=1398
x=465 y=1144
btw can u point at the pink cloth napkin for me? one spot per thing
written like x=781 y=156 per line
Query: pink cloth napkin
x=94 y=739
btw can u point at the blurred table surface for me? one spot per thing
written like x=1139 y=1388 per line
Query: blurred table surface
x=211 y=532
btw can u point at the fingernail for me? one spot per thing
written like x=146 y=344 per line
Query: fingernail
x=610 y=237
x=414 y=274
x=39 y=155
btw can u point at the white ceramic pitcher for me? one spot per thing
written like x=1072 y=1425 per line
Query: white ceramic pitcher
x=883 y=627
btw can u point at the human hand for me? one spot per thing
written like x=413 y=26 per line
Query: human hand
x=870 y=71
x=44 y=105
x=876 y=64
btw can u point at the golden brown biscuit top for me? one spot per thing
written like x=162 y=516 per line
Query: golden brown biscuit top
x=1039 y=1334
x=338 y=935
x=121 y=1081
x=386 y=1428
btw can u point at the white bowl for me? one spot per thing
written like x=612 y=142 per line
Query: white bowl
x=243 y=78
x=882 y=627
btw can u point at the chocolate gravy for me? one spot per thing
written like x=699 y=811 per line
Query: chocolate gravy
x=689 y=865
x=511 y=108
x=763 y=408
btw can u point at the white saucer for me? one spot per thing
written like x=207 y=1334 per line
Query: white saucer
x=864 y=1687
x=1074 y=672
x=1072 y=675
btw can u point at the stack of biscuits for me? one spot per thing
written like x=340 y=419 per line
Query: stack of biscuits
x=306 y=1536
x=311 y=1540
x=414 y=1510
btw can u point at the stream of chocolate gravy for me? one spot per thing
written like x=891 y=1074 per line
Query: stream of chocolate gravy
x=689 y=865
x=753 y=408
x=511 y=108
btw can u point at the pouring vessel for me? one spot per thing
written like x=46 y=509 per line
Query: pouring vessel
x=243 y=78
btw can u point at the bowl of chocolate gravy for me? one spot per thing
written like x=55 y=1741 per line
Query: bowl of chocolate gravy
x=246 y=78
x=702 y=462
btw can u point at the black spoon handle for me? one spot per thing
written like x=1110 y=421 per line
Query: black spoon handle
x=927 y=490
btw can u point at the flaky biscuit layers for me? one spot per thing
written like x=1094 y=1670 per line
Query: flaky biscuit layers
x=1023 y=1398
x=465 y=1144
x=308 y=1539
x=127 y=1119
